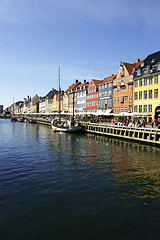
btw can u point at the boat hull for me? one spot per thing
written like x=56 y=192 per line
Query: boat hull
x=66 y=129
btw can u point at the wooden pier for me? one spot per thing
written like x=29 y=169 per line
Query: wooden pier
x=140 y=134
x=146 y=135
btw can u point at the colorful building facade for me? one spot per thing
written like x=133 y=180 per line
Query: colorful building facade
x=146 y=91
x=92 y=96
x=81 y=97
x=105 y=93
x=123 y=88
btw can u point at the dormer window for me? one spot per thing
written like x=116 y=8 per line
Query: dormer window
x=158 y=66
x=138 y=72
x=153 y=60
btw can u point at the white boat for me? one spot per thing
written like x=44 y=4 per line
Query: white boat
x=65 y=126
x=68 y=125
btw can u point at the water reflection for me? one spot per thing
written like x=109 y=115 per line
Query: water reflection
x=135 y=165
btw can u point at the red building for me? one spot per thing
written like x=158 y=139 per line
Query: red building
x=92 y=96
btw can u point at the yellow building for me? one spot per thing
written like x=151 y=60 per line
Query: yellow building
x=46 y=105
x=55 y=103
x=65 y=103
x=146 y=91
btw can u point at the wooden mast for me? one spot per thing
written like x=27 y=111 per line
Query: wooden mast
x=59 y=96
x=73 y=107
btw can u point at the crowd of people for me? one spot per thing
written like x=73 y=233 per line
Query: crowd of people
x=135 y=122
x=130 y=122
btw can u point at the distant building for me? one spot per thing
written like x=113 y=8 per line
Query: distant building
x=72 y=96
x=1 y=109
x=49 y=99
x=81 y=96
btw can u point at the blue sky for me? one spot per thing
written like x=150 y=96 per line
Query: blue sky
x=86 y=38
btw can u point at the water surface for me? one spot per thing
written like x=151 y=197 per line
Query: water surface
x=76 y=186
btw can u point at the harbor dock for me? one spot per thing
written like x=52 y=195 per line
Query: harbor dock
x=146 y=134
x=142 y=134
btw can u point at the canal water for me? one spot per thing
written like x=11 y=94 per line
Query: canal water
x=76 y=186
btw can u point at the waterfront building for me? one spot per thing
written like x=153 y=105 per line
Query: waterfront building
x=55 y=103
x=81 y=97
x=42 y=105
x=1 y=109
x=65 y=102
x=123 y=88
x=72 y=96
x=105 y=93
x=92 y=96
x=16 y=107
x=33 y=104
x=146 y=97
x=49 y=99
x=25 y=104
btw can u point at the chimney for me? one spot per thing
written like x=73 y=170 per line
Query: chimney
x=76 y=81
x=84 y=81
x=137 y=60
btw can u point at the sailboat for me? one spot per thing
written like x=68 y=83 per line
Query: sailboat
x=65 y=126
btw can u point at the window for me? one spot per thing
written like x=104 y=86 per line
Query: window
x=126 y=108
x=114 y=82
x=150 y=80
x=114 y=109
x=140 y=95
x=126 y=88
x=135 y=108
x=130 y=87
x=130 y=78
x=149 y=108
x=118 y=80
x=130 y=97
x=126 y=79
x=145 y=94
x=156 y=79
x=122 y=80
x=118 y=90
x=114 y=99
x=136 y=96
x=105 y=85
x=145 y=81
x=145 y=108
x=138 y=72
x=122 y=89
x=118 y=99
x=121 y=109
x=126 y=98
x=118 y=109
x=114 y=90
x=150 y=94
x=140 y=82
x=140 y=108
x=136 y=83
x=155 y=93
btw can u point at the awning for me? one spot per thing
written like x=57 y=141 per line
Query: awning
x=104 y=113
